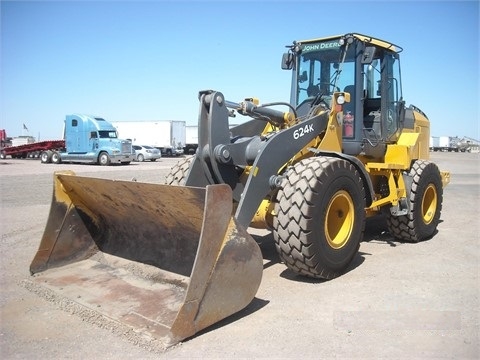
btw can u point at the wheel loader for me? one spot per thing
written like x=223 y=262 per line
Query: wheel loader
x=168 y=260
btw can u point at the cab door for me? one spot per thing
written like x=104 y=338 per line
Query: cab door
x=393 y=103
x=383 y=101
x=93 y=141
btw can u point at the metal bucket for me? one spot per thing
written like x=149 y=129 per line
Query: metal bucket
x=166 y=261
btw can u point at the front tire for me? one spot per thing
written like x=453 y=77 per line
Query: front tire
x=425 y=205
x=104 y=159
x=178 y=173
x=320 y=217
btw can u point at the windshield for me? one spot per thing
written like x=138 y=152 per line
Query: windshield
x=322 y=69
x=105 y=134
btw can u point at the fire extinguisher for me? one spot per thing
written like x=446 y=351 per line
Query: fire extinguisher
x=348 y=125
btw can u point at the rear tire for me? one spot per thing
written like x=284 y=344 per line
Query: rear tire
x=425 y=205
x=320 y=217
x=56 y=159
x=178 y=173
x=46 y=157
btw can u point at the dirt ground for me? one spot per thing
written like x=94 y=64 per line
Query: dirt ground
x=397 y=300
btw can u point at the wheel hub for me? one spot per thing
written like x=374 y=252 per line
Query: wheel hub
x=339 y=219
x=429 y=204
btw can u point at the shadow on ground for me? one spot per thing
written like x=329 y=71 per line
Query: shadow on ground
x=376 y=231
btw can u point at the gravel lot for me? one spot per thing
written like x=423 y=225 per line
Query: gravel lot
x=398 y=300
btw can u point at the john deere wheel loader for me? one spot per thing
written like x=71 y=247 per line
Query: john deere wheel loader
x=169 y=261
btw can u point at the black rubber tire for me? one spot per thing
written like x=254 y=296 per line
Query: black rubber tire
x=314 y=190
x=104 y=159
x=425 y=205
x=56 y=159
x=46 y=157
x=140 y=158
x=178 y=173
x=3 y=155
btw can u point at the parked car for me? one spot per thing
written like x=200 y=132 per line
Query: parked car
x=145 y=152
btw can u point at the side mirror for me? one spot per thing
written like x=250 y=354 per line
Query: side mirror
x=368 y=54
x=287 y=61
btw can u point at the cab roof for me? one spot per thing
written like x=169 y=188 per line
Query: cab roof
x=365 y=38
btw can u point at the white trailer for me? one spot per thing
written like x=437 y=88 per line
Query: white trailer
x=434 y=143
x=23 y=140
x=440 y=143
x=166 y=135
x=191 y=140
x=444 y=143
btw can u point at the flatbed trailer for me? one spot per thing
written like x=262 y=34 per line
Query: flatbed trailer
x=32 y=150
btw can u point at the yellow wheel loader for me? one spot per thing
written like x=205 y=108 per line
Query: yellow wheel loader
x=168 y=261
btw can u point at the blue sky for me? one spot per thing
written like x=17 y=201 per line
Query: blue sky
x=147 y=60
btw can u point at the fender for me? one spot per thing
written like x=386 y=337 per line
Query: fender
x=369 y=192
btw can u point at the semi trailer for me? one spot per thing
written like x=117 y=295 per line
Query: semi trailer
x=86 y=139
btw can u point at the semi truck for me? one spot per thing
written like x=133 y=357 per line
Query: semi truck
x=86 y=139
x=166 y=135
x=5 y=141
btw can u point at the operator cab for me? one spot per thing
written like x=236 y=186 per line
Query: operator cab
x=365 y=67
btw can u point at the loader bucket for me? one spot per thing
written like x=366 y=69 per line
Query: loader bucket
x=165 y=261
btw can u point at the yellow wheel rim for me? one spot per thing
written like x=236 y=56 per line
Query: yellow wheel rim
x=429 y=204
x=339 y=219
